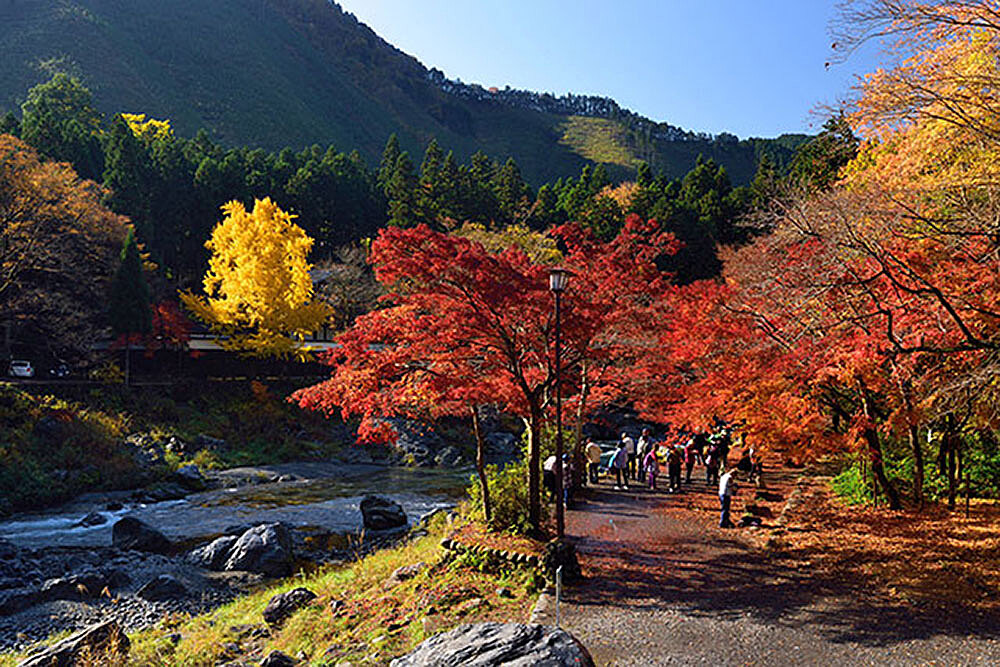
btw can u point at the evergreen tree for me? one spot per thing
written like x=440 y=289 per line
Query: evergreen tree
x=129 y=308
x=402 y=194
x=127 y=176
x=387 y=167
x=512 y=193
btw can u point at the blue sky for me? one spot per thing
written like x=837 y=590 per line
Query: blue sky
x=750 y=67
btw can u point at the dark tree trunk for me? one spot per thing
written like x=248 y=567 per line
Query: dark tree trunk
x=579 y=467
x=875 y=455
x=918 y=467
x=481 y=465
x=534 y=424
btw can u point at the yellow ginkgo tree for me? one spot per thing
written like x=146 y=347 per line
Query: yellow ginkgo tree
x=258 y=291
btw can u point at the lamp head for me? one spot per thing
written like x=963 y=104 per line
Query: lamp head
x=558 y=277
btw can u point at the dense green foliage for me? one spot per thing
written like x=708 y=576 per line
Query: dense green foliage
x=56 y=444
x=129 y=309
x=300 y=72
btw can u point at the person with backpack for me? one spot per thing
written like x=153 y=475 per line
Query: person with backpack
x=674 y=469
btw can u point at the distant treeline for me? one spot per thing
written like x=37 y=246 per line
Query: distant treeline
x=172 y=187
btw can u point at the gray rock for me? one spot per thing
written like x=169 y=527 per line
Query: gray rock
x=283 y=605
x=416 y=441
x=203 y=441
x=92 y=519
x=265 y=549
x=354 y=454
x=277 y=659
x=90 y=645
x=213 y=555
x=161 y=491
x=487 y=644
x=74 y=587
x=449 y=457
x=401 y=574
x=502 y=443
x=163 y=587
x=190 y=477
x=380 y=513
x=130 y=533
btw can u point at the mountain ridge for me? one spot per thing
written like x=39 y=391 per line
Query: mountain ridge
x=275 y=73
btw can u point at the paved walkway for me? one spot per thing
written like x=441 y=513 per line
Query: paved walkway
x=665 y=586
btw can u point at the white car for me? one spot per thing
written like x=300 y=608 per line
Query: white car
x=20 y=368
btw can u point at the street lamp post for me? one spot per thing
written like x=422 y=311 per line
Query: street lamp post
x=557 y=284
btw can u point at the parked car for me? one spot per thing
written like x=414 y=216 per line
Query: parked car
x=60 y=370
x=21 y=368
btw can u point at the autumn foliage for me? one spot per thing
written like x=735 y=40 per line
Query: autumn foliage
x=258 y=291
x=464 y=326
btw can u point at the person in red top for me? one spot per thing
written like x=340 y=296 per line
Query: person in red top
x=690 y=456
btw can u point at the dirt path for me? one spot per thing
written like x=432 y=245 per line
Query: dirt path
x=665 y=586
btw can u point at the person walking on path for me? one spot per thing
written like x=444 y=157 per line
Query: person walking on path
x=644 y=445
x=619 y=463
x=593 y=454
x=727 y=489
x=690 y=456
x=549 y=476
x=674 y=469
x=629 y=445
x=652 y=467
x=712 y=465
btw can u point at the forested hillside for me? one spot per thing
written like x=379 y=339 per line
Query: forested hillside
x=277 y=73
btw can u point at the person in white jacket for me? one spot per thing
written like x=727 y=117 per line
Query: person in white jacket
x=727 y=489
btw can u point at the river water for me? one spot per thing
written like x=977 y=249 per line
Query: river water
x=322 y=495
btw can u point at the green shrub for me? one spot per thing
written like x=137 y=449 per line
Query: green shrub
x=508 y=496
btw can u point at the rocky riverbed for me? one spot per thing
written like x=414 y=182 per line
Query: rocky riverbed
x=67 y=567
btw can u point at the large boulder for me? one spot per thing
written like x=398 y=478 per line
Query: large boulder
x=283 y=605
x=93 y=645
x=449 y=457
x=278 y=659
x=130 y=533
x=190 y=477
x=164 y=587
x=380 y=513
x=213 y=555
x=502 y=447
x=487 y=644
x=417 y=442
x=265 y=549
x=75 y=587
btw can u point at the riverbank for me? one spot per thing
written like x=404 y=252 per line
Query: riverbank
x=361 y=612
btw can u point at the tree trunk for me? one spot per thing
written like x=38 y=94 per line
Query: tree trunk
x=534 y=424
x=951 y=463
x=875 y=455
x=481 y=465
x=581 y=405
x=918 y=467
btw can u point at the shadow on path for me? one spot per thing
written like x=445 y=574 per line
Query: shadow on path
x=655 y=552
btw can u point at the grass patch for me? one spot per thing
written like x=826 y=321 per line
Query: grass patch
x=372 y=622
